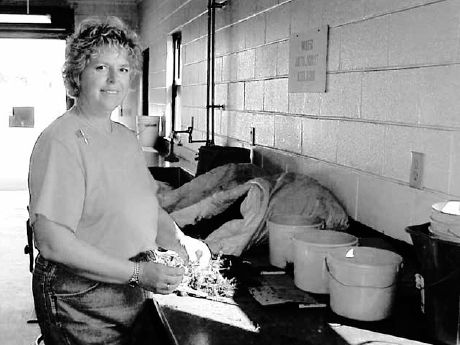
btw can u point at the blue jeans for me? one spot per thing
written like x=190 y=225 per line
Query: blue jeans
x=74 y=310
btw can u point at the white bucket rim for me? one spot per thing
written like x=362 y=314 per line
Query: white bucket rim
x=332 y=259
x=283 y=219
x=337 y=256
x=449 y=207
x=304 y=237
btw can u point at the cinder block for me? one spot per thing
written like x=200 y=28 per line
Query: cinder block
x=185 y=96
x=436 y=145
x=265 y=61
x=378 y=7
x=288 y=133
x=392 y=96
x=200 y=100
x=237 y=36
x=223 y=42
x=254 y=95
x=239 y=124
x=246 y=63
x=218 y=66
x=337 y=12
x=384 y=206
x=255 y=31
x=241 y=9
x=276 y=95
x=333 y=49
x=399 y=142
x=264 y=4
x=282 y=58
x=343 y=96
x=201 y=71
x=306 y=15
x=296 y=102
x=454 y=180
x=278 y=23
x=264 y=125
x=312 y=104
x=217 y=122
x=438 y=89
x=426 y=34
x=224 y=122
x=229 y=67
x=360 y=146
x=319 y=139
x=221 y=93
x=364 y=44
x=235 y=99
x=421 y=206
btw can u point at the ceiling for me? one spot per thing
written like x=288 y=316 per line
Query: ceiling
x=62 y=3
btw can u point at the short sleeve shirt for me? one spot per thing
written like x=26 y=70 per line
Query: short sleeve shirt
x=96 y=184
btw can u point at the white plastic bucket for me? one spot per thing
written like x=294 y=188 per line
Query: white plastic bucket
x=362 y=282
x=445 y=220
x=281 y=230
x=147 y=130
x=310 y=250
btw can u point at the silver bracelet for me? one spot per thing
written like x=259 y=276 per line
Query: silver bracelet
x=134 y=280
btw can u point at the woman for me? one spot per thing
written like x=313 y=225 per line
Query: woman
x=92 y=202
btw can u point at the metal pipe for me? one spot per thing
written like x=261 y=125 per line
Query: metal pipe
x=213 y=41
x=210 y=9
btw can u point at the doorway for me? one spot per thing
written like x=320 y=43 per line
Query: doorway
x=30 y=76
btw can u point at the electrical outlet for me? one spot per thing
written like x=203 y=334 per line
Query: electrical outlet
x=416 y=170
x=252 y=136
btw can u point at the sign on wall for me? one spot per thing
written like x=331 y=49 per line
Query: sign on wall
x=307 y=61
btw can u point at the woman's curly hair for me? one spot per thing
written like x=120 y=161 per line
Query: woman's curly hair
x=91 y=35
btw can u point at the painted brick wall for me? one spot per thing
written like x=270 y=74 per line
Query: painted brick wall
x=124 y=9
x=393 y=86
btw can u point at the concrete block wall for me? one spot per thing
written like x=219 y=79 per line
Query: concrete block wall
x=393 y=85
x=124 y=9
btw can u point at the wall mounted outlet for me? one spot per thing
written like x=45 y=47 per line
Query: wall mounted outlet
x=416 y=170
x=252 y=136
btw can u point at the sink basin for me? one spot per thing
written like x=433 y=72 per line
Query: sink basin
x=174 y=176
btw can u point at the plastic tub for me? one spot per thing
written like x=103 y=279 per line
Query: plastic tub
x=147 y=130
x=445 y=220
x=310 y=250
x=438 y=261
x=281 y=230
x=362 y=282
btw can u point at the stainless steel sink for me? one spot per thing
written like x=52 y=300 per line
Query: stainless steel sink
x=174 y=176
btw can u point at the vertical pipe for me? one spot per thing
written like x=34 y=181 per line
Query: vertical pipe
x=213 y=41
x=210 y=3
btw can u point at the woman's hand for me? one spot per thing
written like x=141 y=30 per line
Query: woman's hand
x=160 y=278
x=197 y=251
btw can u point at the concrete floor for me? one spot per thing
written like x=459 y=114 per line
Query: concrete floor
x=16 y=302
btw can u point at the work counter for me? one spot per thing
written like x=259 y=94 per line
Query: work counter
x=242 y=320
x=185 y=320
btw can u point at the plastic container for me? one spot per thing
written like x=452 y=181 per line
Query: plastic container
x=362 y=282
x=445 y=220
x=310 y=250
x=147 y=130
x=281 y=230
x=439 y=265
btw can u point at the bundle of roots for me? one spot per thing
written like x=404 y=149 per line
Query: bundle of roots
x=208 y=281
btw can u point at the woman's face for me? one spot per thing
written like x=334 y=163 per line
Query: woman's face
x=104 y=83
